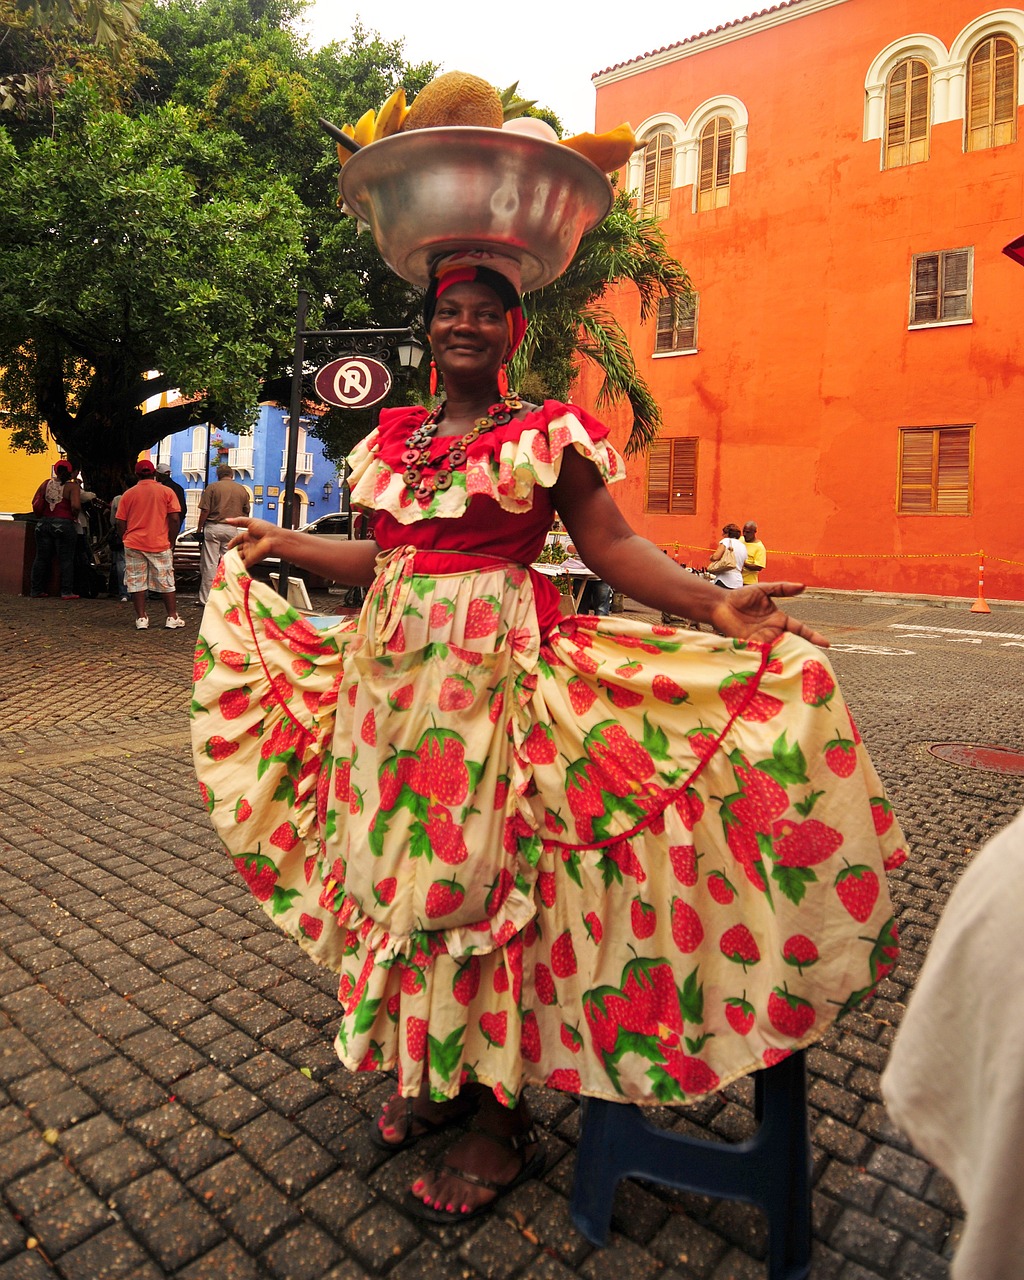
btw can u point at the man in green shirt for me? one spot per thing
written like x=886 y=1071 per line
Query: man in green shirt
x=757 y=557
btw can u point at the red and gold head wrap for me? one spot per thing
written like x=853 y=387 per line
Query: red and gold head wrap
x=497 y=271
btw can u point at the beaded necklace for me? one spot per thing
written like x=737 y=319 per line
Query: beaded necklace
x=417 y=447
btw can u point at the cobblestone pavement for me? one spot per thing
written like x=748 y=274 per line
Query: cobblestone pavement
x=170 y=1104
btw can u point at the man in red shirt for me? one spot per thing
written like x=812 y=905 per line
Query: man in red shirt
x=148 y=518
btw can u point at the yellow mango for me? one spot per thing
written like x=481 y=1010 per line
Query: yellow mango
x=609 y=151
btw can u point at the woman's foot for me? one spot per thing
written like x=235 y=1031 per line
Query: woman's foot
x=502 y=1152
x=403 y=1121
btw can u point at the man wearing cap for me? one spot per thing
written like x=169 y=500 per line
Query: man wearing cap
x=148 y=518
x=220 y=501
x=163 y=476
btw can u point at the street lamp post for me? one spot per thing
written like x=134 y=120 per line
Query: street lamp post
x=378 y=344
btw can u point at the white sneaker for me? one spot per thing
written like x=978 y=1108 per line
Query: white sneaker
x=142 y=624
x=174 y=621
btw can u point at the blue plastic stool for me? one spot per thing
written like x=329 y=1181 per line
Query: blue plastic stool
x=772 y=1169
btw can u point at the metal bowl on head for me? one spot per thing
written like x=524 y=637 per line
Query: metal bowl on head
x=432 y=191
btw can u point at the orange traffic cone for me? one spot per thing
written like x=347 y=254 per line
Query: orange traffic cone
x=980 y=605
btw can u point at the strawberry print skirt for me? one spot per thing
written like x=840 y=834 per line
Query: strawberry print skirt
x=628 y=861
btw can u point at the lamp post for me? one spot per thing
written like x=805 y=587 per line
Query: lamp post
x=378 y=344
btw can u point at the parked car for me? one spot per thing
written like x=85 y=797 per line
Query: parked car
x=188 y=551
x=332 y=525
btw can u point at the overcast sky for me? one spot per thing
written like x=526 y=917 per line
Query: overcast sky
x=552 y=47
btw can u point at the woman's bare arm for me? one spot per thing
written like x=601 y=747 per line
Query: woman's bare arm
x=630 y=563
x=350 y=562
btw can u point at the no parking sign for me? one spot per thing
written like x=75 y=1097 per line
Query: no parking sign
x=353 y=382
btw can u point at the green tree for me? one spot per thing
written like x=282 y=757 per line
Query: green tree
x=131 y=246
x=48 y=44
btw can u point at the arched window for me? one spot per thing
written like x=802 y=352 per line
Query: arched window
x=992 y=94
x=657 y=184
x=715 y=164
x=907 y=98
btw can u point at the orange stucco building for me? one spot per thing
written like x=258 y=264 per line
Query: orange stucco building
x=839 y=177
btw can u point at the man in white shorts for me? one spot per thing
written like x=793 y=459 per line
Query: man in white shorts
x=148 y=519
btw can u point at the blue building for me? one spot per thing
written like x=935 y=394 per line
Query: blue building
x=258 y=461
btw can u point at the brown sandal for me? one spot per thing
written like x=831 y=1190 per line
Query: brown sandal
x=530 y=1168
x=418 y=1127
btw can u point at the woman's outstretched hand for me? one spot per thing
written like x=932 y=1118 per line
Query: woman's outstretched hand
x=749 y=613
x=254 y=540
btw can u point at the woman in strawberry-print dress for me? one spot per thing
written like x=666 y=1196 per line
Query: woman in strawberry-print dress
x=621 y=860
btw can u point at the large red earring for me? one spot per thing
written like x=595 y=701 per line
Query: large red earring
x=503 y=381
x=433 y=378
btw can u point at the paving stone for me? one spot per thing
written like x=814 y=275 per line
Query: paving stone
x=69 y=1221
x=840 y=1140
x=865 y=1241
x=498 y=1249
x=299 y=1165
x=226 y=1262
x=335 y=1201
x=114 y=1166
x=180 y=1235
x=223 y=1184
x=194 y=1150
x=902 y=1168
x=850 y=1185
x=917 y=1263
x=165 y=1122
x=619 y=1258
x=90 y=1136
x=302 y=1254
x=162 y=1055
x=113 y=1017
x=260 y=1217
x=924 y=1223
x=378 y=1237
x=12 y=1235
x=260 y=1070
x=27 y=1265
x=38 y=1190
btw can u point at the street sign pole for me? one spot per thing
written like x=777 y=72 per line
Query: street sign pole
x=373 y=343
x=294 y=414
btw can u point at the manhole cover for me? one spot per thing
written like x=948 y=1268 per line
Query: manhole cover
x=970 y=756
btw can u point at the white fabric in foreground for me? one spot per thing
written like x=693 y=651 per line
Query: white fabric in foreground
x=955 y=1080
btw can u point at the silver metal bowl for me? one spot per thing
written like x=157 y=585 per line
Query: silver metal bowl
x=431 y=191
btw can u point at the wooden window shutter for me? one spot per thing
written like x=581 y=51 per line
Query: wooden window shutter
x=955 y=300
x=659 y=470
x=657 y=184
x=953 y=471
x=686 y=323
x=926 y=288
x=683 y=495
x=916 y=471
x=672 y=476
x=665 y=338
x=992 y=94
x=941 y=286
x=715 y=168
x=677 y=324
x=908 y=104
x=935 y=470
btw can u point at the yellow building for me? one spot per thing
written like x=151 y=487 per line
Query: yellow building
x=21 y=474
